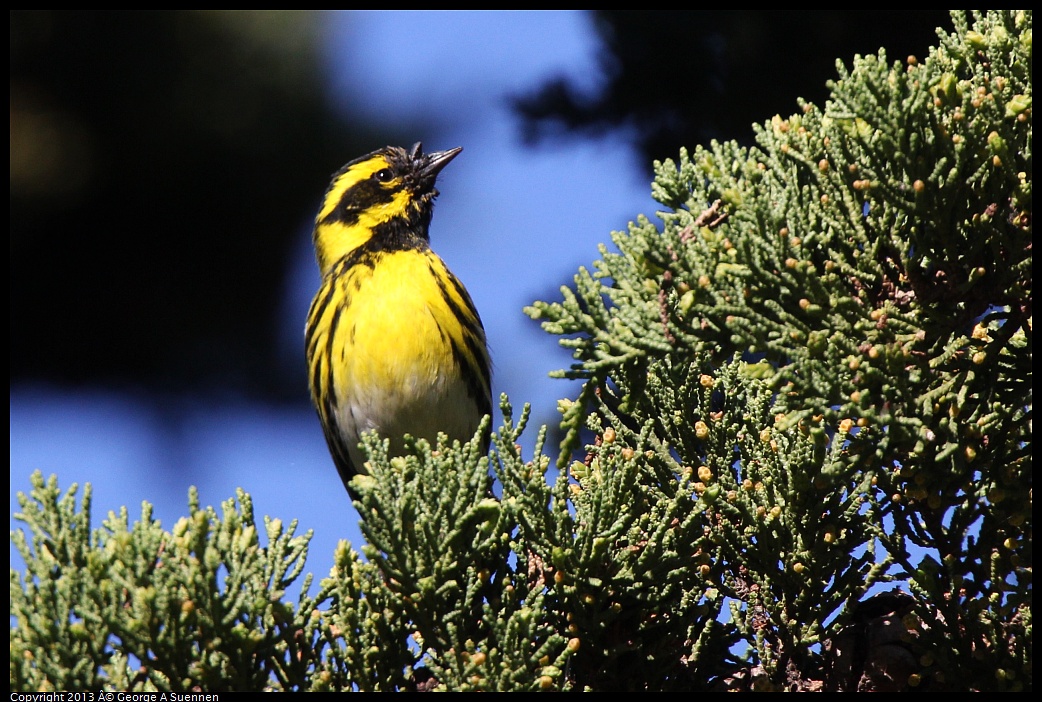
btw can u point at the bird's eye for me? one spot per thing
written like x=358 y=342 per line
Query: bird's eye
x=384 y=175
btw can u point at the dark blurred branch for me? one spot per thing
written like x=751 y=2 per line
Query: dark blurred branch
x=673 y=79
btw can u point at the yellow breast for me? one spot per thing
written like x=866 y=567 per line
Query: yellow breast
x=398 y=349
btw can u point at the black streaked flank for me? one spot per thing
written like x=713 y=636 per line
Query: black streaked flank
x=469 y=315
x=474 y=387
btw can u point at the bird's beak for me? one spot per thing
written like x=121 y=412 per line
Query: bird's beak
x=435 y=161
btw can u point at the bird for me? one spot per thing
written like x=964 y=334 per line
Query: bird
x=394 y=343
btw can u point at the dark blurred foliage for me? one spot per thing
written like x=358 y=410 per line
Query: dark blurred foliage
x=163 y=168
x=673 y=79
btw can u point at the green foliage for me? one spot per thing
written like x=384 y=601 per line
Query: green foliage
x=874 y=259
x=811 y=380
x=451 y=595
x=138 y=608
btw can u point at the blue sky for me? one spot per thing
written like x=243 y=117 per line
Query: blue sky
x=512 y=222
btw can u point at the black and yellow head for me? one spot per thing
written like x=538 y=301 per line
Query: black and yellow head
x=384 y=200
